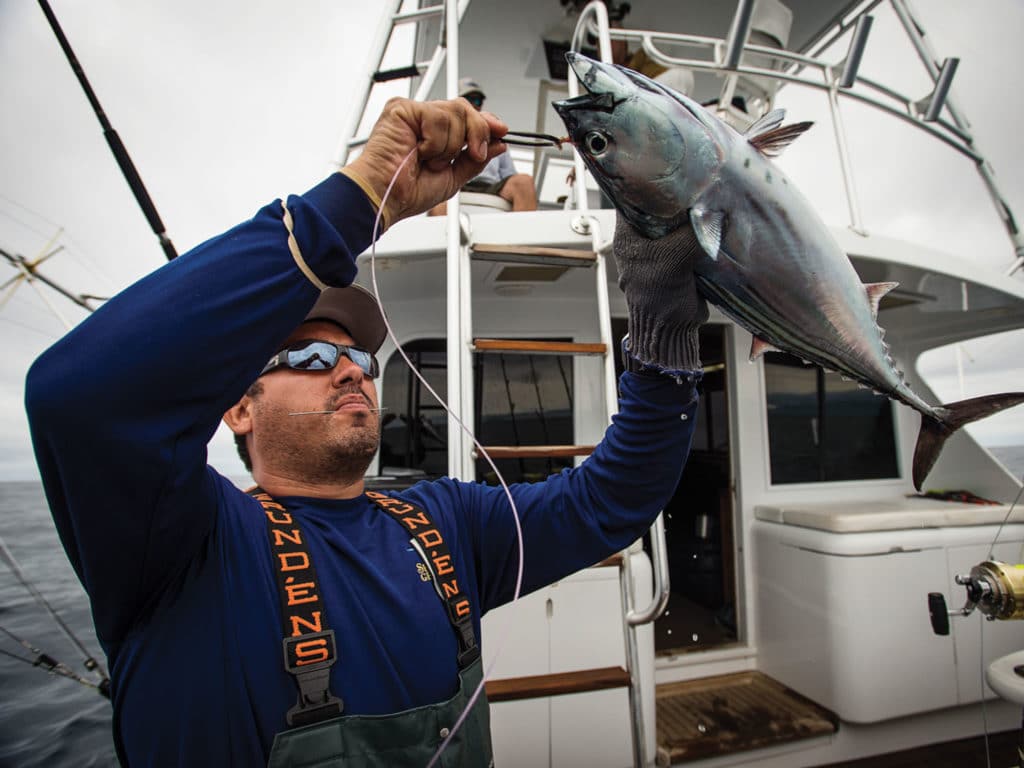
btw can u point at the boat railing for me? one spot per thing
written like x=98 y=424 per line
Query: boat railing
x=838 y=79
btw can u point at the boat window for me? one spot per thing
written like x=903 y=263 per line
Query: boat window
x=520 y=400
x=824 y=429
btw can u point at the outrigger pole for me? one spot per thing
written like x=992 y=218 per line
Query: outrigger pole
x=131 y=175
x=27 y=271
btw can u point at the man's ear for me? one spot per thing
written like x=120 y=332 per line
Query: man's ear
x=239 y=416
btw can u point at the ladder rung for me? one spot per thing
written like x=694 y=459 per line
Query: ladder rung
x=538 y=347
x=399 y=73
x=537 y=451
x=535 y=686
x=420 y=13
x=532 y=254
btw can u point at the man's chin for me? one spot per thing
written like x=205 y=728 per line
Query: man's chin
x=353 y=458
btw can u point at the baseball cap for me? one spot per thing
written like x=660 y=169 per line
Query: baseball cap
x=356 y=310
x=468 y=85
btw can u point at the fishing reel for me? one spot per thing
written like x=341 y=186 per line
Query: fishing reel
x=996 y=589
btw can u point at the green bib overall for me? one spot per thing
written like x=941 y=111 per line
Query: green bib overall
x=408 y=738
x=405 y=739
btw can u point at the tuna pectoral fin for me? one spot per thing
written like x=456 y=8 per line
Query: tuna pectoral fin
x=955 y=415
x=707 y=225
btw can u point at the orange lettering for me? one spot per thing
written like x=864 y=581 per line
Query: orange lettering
x=430 y=538
x=443 y=565
x=285 y=556
x=300 y=593
x=311 y=626
x=282 y=536
x=451 y=588
x=311 y=651
x=285 y=520
x=462 y=608
x=412 y=523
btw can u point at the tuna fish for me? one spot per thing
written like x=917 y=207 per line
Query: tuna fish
x=769 y=261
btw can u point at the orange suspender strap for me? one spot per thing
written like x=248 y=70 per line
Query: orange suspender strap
x=433 y=551
x=309 y=648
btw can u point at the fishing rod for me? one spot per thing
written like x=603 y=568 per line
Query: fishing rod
x=52 y=665
x=124 y=161
x=89 y=662
x=27 y=271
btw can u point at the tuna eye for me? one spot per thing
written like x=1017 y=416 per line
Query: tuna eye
x=596 y=143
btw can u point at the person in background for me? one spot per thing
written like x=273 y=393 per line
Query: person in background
x=309 y=621
x=499 y=176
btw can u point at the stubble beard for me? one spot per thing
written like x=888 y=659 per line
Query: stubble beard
x=322 y=451
x=345 y=460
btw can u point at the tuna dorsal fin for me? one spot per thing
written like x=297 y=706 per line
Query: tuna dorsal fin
x=771 y=142
x=765 y=123
x=707 y=225
x=875 y=293
x=759 y=346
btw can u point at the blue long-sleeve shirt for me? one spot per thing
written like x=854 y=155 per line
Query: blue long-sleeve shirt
x=176 y=560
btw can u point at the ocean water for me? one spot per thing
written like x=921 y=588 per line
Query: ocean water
x=45 y=720
x=50 y=721
x=1011 y=456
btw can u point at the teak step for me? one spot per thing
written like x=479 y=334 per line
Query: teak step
x=725 y=714
x=535 y=686
x=537 y=451
x=533 y=254
x=538 y=347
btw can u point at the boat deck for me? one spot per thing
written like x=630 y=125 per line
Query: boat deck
x=1002 y=748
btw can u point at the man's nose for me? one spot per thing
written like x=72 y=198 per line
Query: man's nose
x=346 y=371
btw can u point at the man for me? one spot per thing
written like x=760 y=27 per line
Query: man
x=242 y=629
x=499 y=176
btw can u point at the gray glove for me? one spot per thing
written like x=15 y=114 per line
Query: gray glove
x=665 y=310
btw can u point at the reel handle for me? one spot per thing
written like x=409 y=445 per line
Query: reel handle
x=938 y=613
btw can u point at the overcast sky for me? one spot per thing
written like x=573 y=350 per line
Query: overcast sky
x=223 y=111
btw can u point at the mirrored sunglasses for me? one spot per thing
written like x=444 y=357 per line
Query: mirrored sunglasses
x=317 y=355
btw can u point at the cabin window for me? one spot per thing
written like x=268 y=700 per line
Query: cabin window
x=519 y=400
x=824 y=429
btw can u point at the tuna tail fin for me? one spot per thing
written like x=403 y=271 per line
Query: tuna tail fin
x=934 y=431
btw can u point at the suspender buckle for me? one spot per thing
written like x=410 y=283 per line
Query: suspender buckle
x=469 y=651
x=309 y=658
x=468 y=656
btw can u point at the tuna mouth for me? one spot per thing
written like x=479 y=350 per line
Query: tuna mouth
x=592 y=100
